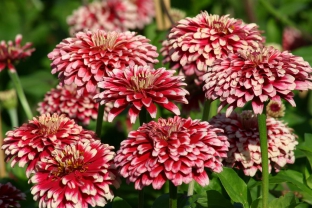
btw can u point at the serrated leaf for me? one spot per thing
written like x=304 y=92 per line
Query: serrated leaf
x=119 y=202
x=234 y=186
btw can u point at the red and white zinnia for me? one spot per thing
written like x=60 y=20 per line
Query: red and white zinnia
x=141 y=87
x=76 y=175
x=174 y=149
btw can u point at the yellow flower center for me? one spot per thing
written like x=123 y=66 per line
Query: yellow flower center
x=69 y=160
x=104 y=42
x=142 y=81
x=49 y=125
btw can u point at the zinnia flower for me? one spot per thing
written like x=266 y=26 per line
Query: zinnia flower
x=11 y=53
x=194 y=43
x=293 y=39
x=275 y=109
x=76 y=175
x=86 y=58
x=141 y=87
x=175 y=149
x=109 y=15
x=31 y=141
x=145 y=11
x=10 y=196
x=256 y=76
x=64 y=100
x=243 y=134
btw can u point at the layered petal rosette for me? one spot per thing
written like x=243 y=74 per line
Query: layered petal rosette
x=10 y=196
x=86 y=58
x=243 y=134
x=65 y=100
x=194 y=43
x=10 y=52
x=37 y=138
x=109 y=15
x=141 y=87
x=76 y=175
x=174 y=149
x=256 y=76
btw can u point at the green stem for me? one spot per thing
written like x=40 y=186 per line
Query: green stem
x=213 y=109
x=173 y=195
x=13 y=116
x=99 y=120
x=264 y=158
x=20 y=93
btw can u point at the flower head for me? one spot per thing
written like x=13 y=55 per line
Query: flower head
x=11 y=53
x=243 y=134
x=275 y=109
x=293 y=39
x=76 y=175
x=10 y=196
x=141 y=86
x=86 y=58
x=109 y=15
x=256 y=76
x=31 y=141
x=64 y=100
x=145 y=12
x=194 y=43
x=175 y=149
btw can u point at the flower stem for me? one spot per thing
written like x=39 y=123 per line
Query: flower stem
x=99 y=120
x=173 y=195
x=264 y=158
x=13 y=116
x=20 y=93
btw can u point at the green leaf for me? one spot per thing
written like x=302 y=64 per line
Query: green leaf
x=295 y=178
x=215 y=199
x=163 y=201
x=284 y=201
x=119 y=202
x=306 y=147
x=234 y=186
x=305 y=53
x=256 y=204
x=214 y=184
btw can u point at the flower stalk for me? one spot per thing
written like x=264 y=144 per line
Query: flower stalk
x=173 y=195
x=99 y=120
x=20 y=93
x=264 y=157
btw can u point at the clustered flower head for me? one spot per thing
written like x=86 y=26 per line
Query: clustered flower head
x=194 y=43
x=109 y=15
x=175 y=149
x=243 y=135
x=36 y=139
x=112 y=15
x=64 y=100
x=10 y=196
x=76 y=175
x=11 y=53
x=141 y=87
x=86 y=58
x=256 y=76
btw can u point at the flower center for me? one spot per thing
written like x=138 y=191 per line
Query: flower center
x=68 y=160
x=142 y=81
x=254 y=56
x=248 y=119
x=100 y=41
x=165 y=128
x=49 y=125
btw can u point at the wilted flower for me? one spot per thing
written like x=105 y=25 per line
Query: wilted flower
x=194 y=43
x=175 y=149
x=76 y=175
x=145 y=12
x=275 y=109
x=256 y=76
x=10 y=196
x=37 y=138
x=141 y=87
x=10 y=53
x=64 y=100
x=86 y=58
x=243 y=134
x=109 y=15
